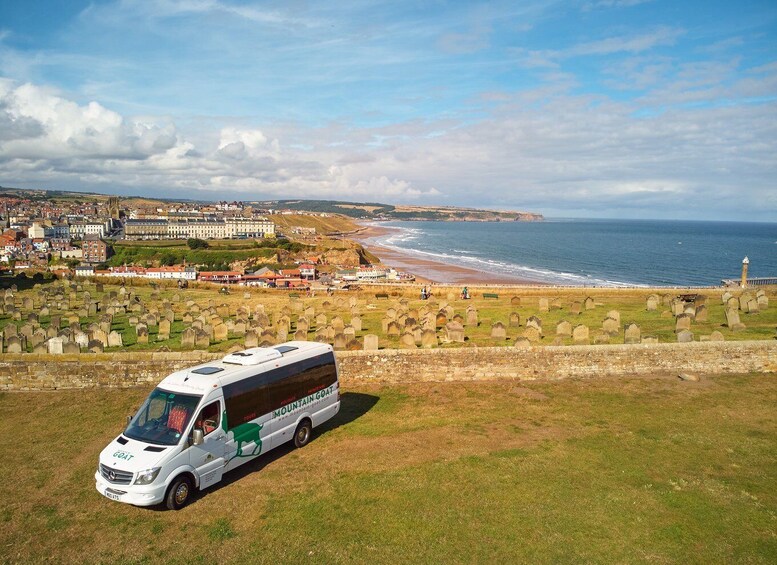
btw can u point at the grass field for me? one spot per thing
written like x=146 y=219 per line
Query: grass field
x=650 y=470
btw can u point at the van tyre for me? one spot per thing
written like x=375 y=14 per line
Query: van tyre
x=303 y=433
x=179 y=493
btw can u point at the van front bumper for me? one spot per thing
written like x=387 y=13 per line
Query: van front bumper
x=145 y=495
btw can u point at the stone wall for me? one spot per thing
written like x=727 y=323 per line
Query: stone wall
x=44 y=372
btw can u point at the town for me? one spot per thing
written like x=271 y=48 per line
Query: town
x=79 y=237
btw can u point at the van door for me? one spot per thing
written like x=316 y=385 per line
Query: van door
x=208 y=457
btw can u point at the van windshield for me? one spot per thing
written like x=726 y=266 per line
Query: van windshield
x=163 y=418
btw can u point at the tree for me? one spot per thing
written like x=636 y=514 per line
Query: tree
x=195 y=243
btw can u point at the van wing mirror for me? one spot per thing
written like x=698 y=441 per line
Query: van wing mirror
x=197 y=437
x=129 y=419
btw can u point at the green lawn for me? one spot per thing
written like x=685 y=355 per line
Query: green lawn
x=648 y=470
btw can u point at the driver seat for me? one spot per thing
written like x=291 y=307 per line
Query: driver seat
x=177 y=418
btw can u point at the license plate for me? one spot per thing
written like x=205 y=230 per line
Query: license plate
x=112 y=495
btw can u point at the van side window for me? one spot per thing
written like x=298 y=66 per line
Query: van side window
x=209 y=418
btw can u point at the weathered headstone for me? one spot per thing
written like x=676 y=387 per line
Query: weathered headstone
x=455 y=332
x=716 y=336
x=682 y=322
x=498 y=331
x=684 y=336
x=189 y=338
x=544 y=305
x=370 y=342
x=252 y=339
x=611 y=326
x=472 y=317
x=115 y=339
x=576 y=307
x=428 y=338
x=564 y=329
x=632 y=334
x=580 y=334
x=220 y=332
x=701 y=313
x=652 y=302
x=532 y=333
x=514 y=320
x=407 y=341
x=589 y=303
x=56 y=345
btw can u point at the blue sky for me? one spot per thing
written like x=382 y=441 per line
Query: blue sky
x=598 y=108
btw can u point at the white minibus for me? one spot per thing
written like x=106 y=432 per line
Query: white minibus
x=200 y=422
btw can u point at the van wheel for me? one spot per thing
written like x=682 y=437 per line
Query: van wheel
x=303 y=433
x=179 y=493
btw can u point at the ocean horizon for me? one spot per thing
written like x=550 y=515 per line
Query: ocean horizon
x=594 y=252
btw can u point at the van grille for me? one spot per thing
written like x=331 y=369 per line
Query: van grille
x=115 y=476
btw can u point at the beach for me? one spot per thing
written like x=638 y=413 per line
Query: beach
x=426 y=270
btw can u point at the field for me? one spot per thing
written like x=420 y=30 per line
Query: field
x=649 y=470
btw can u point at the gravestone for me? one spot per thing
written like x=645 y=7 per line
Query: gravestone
x=321 y=320
x=515 y=301
x=602 y=338
x=70 y=348
x=580 y=334
x=252 y=339
x=683 y=322
x=349 y=332
x=678 y=307
x=220 y=332
x=732 y=318
x=544 y=305
x=38 y=337
x=576 y=307
x=610 y=326
x=752 y=306
x=532 y=333
x=189 y=338
x=300 y=335
x=763 y=302
x=99 y=335
x=498 y=331
x=564 y=329
x=632 y=334
x=701 y=313
x=393 y=329
x=428 y=338
x=115 y=339
x=14 y=344
x=534 y=322
x=356 y=323
x=472 y=316
x=716 y=336
x=652 y=302
x=407 y=341
x=589 y=303
x=684 y=336
x=732 y=303
x=95 y=346
x=455 y=332
x=164 y=330
x=56 y=345
x=515 y=320
x=201 y=339
x=339 y=341
x=142 y=332
x=282 y=335
x=441 y=320
x=522 y=343
x=370 y=342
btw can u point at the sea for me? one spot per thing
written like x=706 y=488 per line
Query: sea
x=594 y=252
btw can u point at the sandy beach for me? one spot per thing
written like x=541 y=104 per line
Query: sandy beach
x=426 y=270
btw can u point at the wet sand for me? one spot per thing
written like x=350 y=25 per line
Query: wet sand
x=426 y=270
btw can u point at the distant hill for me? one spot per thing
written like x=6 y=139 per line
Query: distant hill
x=356 y=210
x=377 y=211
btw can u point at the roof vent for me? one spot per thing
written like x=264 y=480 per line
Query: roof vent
x=253 y=356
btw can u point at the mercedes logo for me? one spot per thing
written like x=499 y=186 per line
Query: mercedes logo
x=112 y=476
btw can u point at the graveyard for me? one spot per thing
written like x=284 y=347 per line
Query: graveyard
x=94 y=316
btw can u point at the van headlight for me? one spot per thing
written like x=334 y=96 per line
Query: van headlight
x=147 y=477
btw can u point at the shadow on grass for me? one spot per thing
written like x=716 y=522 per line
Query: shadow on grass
x=353 y=405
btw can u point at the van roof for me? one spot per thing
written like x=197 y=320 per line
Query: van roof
x=210 y=375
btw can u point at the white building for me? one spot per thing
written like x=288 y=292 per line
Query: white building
x=168 y=273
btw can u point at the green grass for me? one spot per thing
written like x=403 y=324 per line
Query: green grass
x=635 y=470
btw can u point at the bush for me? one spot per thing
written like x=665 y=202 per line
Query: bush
x=195 y=243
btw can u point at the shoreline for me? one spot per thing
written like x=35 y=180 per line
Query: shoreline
x=428 y=270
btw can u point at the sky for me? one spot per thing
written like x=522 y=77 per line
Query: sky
x=589 y=108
